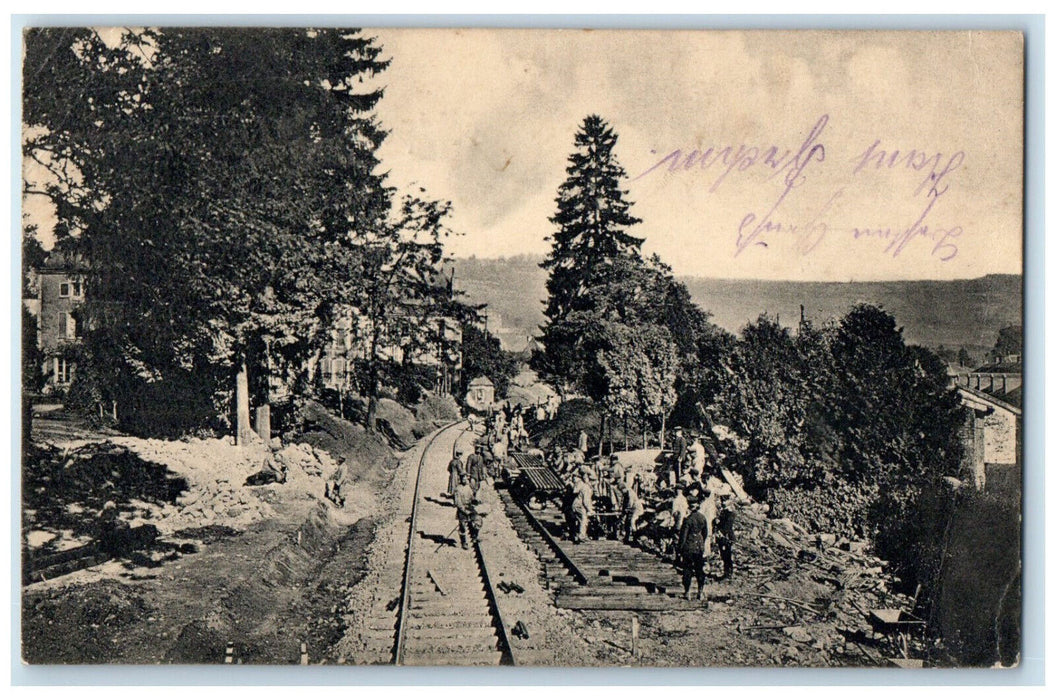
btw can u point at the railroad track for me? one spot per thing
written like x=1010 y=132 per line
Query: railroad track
x=595 y=574
x=447 y=612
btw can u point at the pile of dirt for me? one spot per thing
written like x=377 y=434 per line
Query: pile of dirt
x=172 y=485
x=434 y=412
x=358 y=462
x=82 y=625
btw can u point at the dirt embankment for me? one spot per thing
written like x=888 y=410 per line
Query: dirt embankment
x=262 y=568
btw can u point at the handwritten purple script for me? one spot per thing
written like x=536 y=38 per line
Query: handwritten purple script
x=757 y=228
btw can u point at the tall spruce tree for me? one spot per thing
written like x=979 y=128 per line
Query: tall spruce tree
x=592 y=219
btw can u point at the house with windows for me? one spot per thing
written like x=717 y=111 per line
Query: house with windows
x=349 y=342
x=992 y=433
x=59 y=288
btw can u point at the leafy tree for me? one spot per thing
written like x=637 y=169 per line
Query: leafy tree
x=841 y=424
x=964 y=359
x=482 y=355
x=221 y=217
x=402 y=291
x=33 y=256
x=898 y=417
x=640 y=364
x=1009 y=341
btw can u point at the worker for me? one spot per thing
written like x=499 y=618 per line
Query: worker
x=693 y=484
x=679 y=451
x=582 y=506
x=581 y=442
x=694 y=547
x=633 y=509
x=464 y=503
x=679 y=508
x=455 y=468
x=724 y=537
x=697 y=454
x=618 y=471
x=475 y=468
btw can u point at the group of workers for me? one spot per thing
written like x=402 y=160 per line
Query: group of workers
x=464 y=479
x=687 y=508
x=505 y=431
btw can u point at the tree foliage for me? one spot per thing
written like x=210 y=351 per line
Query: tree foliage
x=224 y=188
x=483 y=356
x=1009 y=341
x=832 y=421
x=620 y=329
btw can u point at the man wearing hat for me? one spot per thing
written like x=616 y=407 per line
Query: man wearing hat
x=475 y=468
x=694 y=546
x=582 y=506
x=455 y=469
x=679 y=449
x=724 y=537
x=619 y=474
x=464 y=498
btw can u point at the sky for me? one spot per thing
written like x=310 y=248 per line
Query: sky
x=819 y=155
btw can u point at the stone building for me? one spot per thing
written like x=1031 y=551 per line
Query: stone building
x=480 y=394
x=59 y=285
x=992 y=437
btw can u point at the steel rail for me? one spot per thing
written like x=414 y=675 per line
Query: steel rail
x=405 y=593
x=554 y=545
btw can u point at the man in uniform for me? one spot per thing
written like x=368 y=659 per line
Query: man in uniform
x=679 y=508
x=694 y=546
x=679 y=450
x=582 y=506
x=455 y=469
x=632 y=510
x=475 y=468
x=464 y=498
x=618 y=471
x=724 y=537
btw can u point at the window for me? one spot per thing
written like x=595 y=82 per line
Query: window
x=63 y=370
x=67 y=325
x=73 y=290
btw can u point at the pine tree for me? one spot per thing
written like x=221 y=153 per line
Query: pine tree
x=593 y=218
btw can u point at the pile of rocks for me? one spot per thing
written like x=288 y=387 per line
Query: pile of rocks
x=820 y=592
x=216 y=471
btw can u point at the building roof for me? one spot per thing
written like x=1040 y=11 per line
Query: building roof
x=1000 y=368
x=59 y=261
x=479 y=382
x=980 y=399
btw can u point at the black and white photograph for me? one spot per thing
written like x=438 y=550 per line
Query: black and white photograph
x=532 y=347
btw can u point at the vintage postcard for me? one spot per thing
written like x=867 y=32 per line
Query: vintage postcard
x=555 y=348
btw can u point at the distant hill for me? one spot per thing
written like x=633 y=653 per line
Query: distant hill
x=932 y=313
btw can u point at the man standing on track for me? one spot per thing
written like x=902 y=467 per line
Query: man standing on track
x=475 y=468
x=455 y=470
x=464 y=499
x=582 y=506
